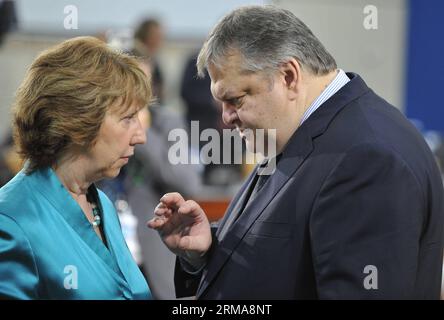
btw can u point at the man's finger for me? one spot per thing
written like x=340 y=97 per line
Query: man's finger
x=160 y=205
x=173 y=200
x=163 y=212
x=191 y=209
x=156 y=223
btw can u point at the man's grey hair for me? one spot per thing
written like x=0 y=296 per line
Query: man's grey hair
x=266 y=37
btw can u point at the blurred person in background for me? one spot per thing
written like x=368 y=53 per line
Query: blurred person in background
x=148 y=39
x=203 y=108
x=76 y=121
x=10 y=162
x=8 y=18
x=354 y=208
x=196 y=93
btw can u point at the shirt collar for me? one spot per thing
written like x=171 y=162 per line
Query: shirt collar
x=338 y=82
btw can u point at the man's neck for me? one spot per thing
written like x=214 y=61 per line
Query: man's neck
x=316 y=85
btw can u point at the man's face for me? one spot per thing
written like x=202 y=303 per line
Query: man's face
x=250 y=100
x=155 y=39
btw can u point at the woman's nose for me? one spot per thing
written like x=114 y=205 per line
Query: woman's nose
x=140 y=134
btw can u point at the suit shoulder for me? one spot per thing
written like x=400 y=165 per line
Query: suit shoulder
x=18 y=267
x=373 y=122
x=11 y=229
x=15 y=196
x=12 y=235
x=368 y=154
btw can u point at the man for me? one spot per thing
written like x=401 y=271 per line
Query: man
x=148 y=40
x=8 y=18
x=354 y=208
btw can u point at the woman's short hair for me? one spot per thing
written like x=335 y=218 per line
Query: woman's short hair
x=66 y=93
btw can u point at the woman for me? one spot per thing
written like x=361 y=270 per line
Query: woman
x=76 y=121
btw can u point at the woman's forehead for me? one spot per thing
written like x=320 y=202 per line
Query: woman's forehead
x=121 y=107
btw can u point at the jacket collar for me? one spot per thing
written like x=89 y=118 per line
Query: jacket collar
x=46 y=182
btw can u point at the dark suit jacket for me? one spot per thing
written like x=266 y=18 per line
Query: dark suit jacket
x=353 y=210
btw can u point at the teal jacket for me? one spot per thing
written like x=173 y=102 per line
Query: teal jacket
x=49 y=250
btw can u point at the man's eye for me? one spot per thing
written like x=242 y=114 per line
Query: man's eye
x=235 y=101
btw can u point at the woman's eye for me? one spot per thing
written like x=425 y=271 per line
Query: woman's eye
x=130 y=117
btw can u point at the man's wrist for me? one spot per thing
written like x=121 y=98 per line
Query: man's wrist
x=193 y=262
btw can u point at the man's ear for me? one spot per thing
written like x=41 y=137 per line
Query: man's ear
x=292 y=73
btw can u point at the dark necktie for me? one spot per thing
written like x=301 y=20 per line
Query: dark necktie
x=258 y=183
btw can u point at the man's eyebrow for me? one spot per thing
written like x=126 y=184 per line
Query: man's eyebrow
x=228 y=95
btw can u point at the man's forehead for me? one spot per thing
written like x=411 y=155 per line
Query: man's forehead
x=223 y=93
x=229 y=83
x=226 y=85
x=228 y=65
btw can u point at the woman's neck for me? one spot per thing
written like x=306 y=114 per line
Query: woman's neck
x=74 y=177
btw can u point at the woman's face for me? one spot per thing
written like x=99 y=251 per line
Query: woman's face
x=116 y=140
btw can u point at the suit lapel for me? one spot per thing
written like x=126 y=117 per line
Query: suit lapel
x=290 y=162
x=237 y=203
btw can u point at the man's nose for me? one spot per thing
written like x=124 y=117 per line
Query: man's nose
x=229 y=114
